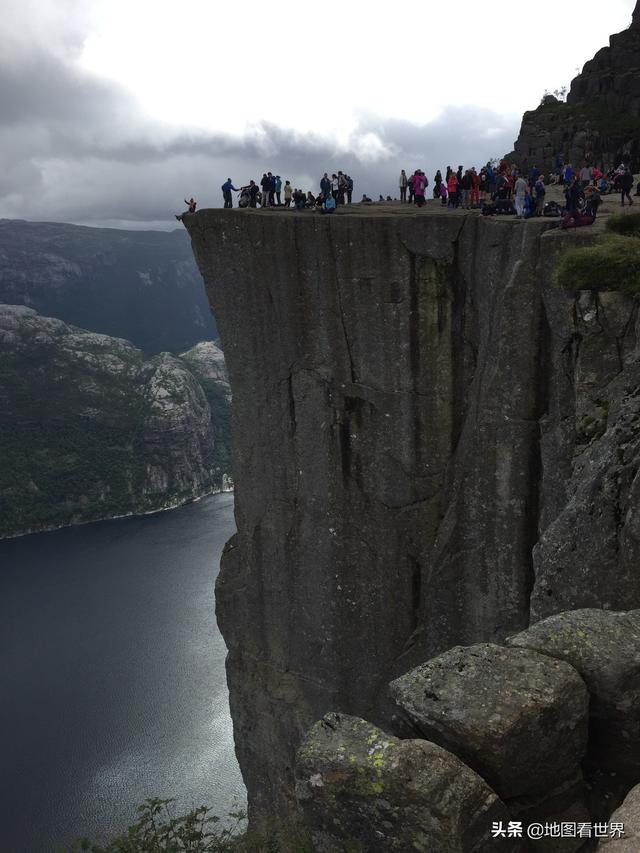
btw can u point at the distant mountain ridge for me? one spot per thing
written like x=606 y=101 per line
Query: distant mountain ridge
x=140 y=285
x=91 y=428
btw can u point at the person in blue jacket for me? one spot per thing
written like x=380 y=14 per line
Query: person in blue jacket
x=226 y=192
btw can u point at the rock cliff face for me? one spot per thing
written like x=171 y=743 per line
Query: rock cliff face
x=600 y=121
x=91 y=428
x=433 y=445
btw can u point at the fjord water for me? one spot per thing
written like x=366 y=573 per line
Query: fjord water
x=112 y=673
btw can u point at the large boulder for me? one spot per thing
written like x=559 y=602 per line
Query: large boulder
x=604 y=647
x=363 y=790
x=517 y=717
x=628 y=818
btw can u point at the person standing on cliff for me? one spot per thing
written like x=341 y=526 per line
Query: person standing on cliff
x=437 y=182
x=402 y=185
x=420 y=183
x=325 y=185
x=226 y=193
x=349 y=189
x=521 y=189
x=278 y=190
x=626 y=182
x=411 y=187
x=452 y=190
x=265 y=185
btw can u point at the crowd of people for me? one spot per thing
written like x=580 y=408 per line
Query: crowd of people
x=496 y=188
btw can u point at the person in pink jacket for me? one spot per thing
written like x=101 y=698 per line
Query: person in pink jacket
x=420 y=183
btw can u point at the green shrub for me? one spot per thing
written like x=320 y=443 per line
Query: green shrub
x=627 y=224
x=199 y=831
x=158 y=831
x=613 y=263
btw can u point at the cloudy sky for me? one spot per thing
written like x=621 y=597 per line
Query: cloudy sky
x=112 y=111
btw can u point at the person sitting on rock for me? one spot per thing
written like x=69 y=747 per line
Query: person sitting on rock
x=191 y=205
x=329 y=205
x=253 y=192
x=365 y=199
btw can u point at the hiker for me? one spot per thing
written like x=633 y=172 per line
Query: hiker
x=521 y=189
x=329 y=205
x=593 y=201
x=325 y=185
x=586 y=176
x=540 y=191
x=402 y=183
x=437 y=183
x=574 y=196
x=288 y=192
x=265 y=185
x=464 y=184
x=226 y=193
x=349 y=189
x=452 y=190
x=342 y=187
x=252 y=191
x=410 y=187
x=272 y=189
x=365 y=199
x=278 y=190
x=335 y=186
x=626 y=182
x=443 y=194
x=475 y=188
x=420 y=183
x=191 y=205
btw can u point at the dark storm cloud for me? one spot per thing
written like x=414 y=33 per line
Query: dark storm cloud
x=75 y=148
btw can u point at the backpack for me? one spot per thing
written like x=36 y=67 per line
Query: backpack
x=552 y=208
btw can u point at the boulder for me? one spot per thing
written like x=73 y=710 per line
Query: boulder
x=363 y=790
x=604 y=647
x=629 y=816
x=517 y=717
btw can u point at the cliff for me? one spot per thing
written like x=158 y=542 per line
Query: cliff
x=91 y=428
x=433 y=445
x=139 y=285
x=600 y=121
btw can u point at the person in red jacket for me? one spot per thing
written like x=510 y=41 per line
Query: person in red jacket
x=452 y=188
x=475 y=187
x=191 y=205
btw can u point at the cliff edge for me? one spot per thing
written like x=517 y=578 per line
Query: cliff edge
x=433 y=445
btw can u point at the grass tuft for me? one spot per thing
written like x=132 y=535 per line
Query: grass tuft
x=613 y=263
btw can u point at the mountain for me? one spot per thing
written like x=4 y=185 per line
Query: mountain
x=91 y=427
x=600 y=121
x=139 y=285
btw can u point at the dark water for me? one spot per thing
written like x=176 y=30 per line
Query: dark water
x=112 y=682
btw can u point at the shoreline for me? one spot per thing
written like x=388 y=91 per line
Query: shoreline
x=168 y=508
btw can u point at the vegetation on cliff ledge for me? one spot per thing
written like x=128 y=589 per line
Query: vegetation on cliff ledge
x=158 y=830
x=611 y=263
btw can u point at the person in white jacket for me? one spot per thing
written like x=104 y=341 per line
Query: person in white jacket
x=403 y=183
